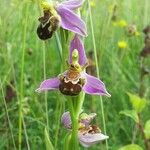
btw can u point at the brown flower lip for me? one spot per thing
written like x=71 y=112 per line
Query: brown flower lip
x=48 y=25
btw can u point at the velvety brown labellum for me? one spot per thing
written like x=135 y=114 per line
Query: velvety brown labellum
x=71 y=83
x=43 y=32
x=70 y=88
x=48 y=24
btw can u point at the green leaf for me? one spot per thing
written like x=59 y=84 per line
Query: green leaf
x=147 y=129
x=137 y=103
x=130 y=113
x=48 y=143
x=131 y=147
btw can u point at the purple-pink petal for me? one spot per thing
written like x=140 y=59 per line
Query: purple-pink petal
x=88 y=139
x=76 y=43
x=94 y=86
x=71 y=21
x=66 y=120
x=49 y=84
x=72 y=4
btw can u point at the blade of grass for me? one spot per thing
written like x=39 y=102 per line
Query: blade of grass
x=97 y=67
x=48 y=143
x=26 y=135
x=11 y=61
x=22 y=75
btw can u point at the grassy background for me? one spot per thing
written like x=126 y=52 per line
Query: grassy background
x=119 y=69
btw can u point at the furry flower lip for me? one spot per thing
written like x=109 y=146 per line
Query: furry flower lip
x=57 y=15
x=88 y=134
x=48 y=25
x=75 y=79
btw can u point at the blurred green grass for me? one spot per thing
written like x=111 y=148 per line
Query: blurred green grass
x=119 y=69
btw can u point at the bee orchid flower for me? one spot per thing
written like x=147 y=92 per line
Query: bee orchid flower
x=75 y=79
x=60 y=14
x=88 y=134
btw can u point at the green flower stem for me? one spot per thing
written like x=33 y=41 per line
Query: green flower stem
x=67 y=141
x=74 y=136
x=75 y=106
x=97 y=68
x=73 y=144
x=80 y=101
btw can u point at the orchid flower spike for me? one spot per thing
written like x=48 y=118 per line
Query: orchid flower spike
x=60 y=14
x=88 y=134
x=75 y=79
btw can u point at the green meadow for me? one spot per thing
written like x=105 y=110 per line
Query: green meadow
x=31 y=120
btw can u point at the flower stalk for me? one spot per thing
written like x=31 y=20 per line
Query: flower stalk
x=75 y=108
x=73 y=142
